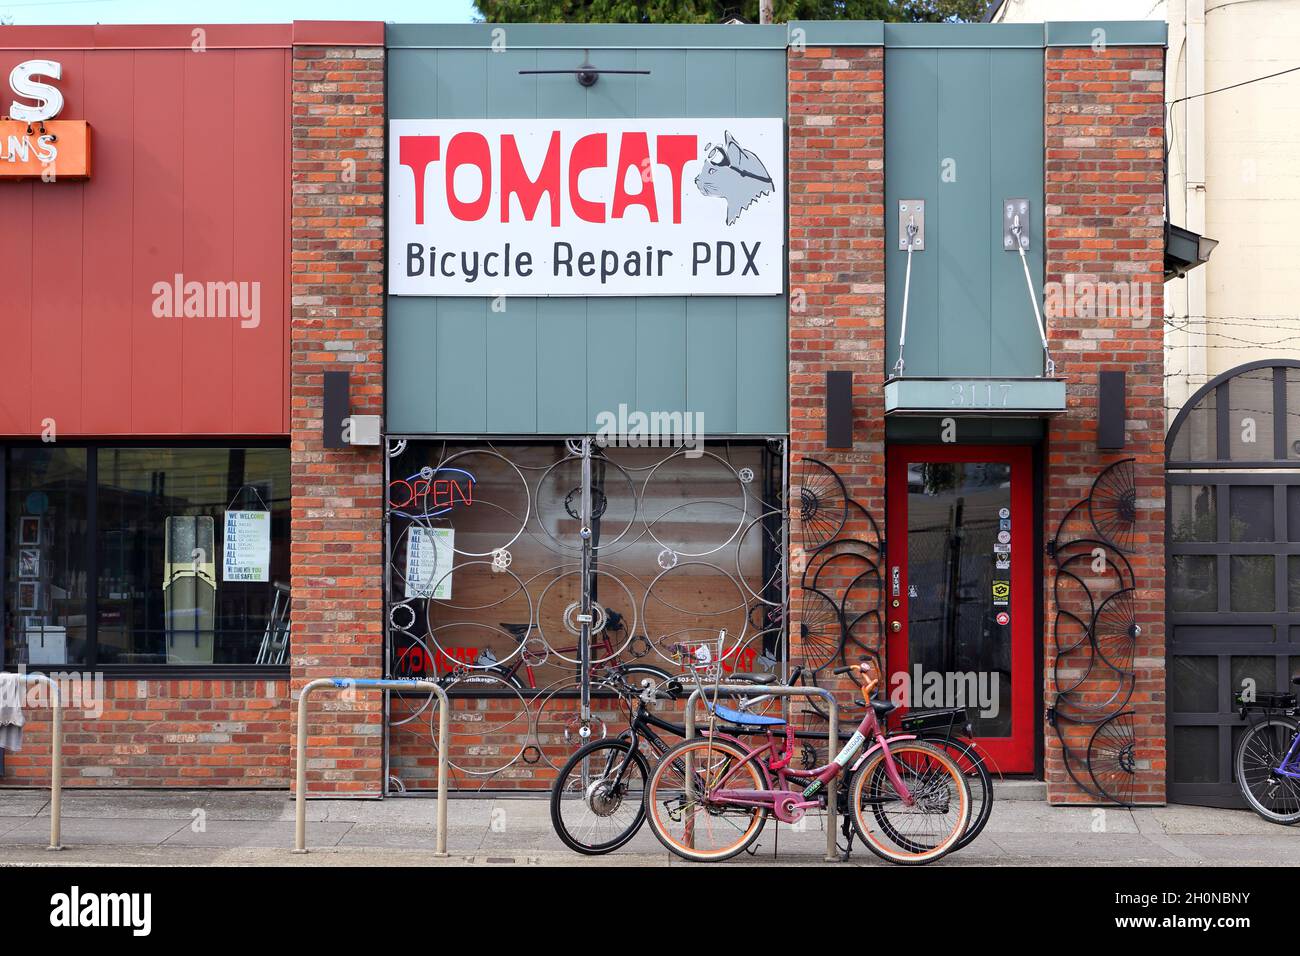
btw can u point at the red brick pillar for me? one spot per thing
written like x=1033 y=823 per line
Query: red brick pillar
x=1104 y=215
x=337 y=324
x=837 y=270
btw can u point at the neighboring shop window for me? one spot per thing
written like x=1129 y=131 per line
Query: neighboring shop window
x=187 y=550
x=45 y=556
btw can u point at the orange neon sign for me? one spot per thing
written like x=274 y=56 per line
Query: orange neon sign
x=51 y=150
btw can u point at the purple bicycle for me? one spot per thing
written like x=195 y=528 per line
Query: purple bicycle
x=1268 y=756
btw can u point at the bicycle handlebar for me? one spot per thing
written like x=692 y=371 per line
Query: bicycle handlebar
x=858 y=674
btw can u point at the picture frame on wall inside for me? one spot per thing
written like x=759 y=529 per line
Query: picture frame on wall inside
x=29 y=563
x=29 y=530
x=29 y=595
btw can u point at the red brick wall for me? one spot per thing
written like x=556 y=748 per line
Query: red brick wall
x=1104 y=212
x=164 y=733
x=837 y=270
x=337 y=323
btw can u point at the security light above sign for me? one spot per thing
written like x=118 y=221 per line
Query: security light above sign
x=587 y=207
x=33 y=144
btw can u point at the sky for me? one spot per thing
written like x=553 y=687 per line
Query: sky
x=233 y=11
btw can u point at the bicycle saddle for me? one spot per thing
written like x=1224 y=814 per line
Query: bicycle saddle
x=752 y=677
x=881 y=707
x=517 y=631
x=743 y=718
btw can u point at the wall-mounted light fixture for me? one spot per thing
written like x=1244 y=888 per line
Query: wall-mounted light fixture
x=586 y=73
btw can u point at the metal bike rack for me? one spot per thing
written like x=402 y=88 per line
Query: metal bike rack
x=371 y=683
x=832 y=737
x=56 y=759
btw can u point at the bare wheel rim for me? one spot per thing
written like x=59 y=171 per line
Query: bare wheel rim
x=821 y=630
x=557 y=722
x=1112 y=758
x=823 y=503
x=1112 y=504
x=489 y=723
x=1115 y=630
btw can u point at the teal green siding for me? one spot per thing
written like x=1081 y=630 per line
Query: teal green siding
x=981 y=111
x=548 y=366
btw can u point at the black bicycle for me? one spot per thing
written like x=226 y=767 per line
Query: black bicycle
x=597 y=801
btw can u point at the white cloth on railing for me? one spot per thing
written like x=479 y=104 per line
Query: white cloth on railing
x=12 y=688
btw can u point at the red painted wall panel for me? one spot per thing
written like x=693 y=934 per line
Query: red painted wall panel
x=107 y=266
x=15 y=309
x=208 y=197
x=190 y=176
x=261 y=89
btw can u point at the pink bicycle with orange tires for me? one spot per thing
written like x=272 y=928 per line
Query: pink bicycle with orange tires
x=709 y=797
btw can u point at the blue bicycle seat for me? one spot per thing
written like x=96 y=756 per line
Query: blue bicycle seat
x=743 y=717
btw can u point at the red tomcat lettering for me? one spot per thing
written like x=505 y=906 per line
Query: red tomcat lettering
x=634 y=152
x=675 y=152
x=588 y=153
x=515 y=181
x=418 y=152
x=469 y=149
x=552 y=180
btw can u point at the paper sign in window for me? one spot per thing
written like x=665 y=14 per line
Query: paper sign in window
x=247 y=552
x=429 y=560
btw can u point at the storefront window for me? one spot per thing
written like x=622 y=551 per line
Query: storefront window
x=186 y=551
x=45 y=557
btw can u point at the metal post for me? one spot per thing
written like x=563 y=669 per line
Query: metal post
x=584 y=618
x=56 y=760
x=832 y=738
x=367 y=683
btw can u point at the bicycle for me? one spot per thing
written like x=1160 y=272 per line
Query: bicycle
x=948 y=728
x=1267 y=760
x=909 y=801
x=596 y=799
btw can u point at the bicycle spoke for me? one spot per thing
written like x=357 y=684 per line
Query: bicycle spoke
x=928 y=822
x=683 y=811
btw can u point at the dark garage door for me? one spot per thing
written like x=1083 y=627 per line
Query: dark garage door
x=1233 y=571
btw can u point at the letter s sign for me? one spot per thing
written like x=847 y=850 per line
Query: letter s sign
x=22 y=83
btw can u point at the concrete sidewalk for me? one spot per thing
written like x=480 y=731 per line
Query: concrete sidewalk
x=255 y=828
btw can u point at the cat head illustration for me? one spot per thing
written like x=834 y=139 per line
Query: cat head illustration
x=733 y=173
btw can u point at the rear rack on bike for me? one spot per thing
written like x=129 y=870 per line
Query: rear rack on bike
x=949 y=719
x=1267 y=700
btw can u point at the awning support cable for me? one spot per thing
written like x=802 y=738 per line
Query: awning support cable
x=1049 y=367
x=907 y=286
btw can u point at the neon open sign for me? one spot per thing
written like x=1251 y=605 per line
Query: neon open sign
x=431 y=494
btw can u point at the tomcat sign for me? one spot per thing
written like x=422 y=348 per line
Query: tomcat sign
x=587 y=207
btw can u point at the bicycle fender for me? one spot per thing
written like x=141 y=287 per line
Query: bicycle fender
x=874 y=747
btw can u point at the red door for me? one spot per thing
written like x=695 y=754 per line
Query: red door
x=960 y=589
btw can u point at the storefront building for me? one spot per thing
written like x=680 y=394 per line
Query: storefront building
x=621 y=295
x=149 y=484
